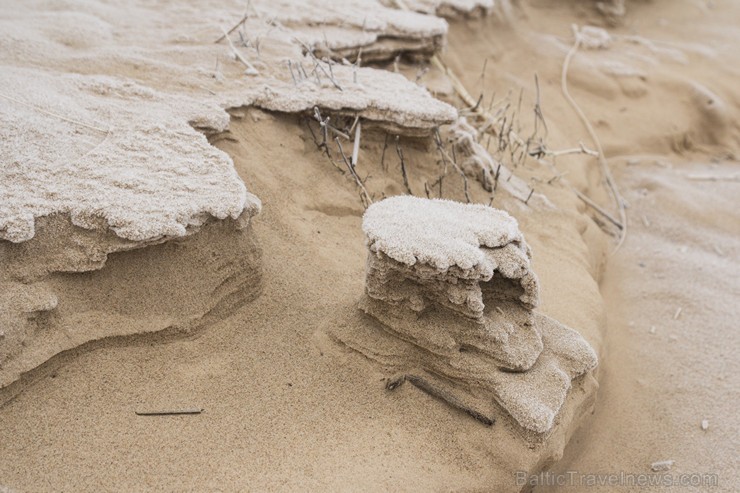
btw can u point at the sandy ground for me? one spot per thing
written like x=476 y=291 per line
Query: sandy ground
x=286 y=409
x=289 y=407
x=670 y=360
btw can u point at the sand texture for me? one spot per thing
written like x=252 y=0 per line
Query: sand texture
x=181 y=227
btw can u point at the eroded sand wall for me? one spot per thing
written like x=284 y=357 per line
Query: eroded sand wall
x=176 y=288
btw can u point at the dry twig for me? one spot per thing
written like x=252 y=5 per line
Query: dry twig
x=399 y=151
x=611 y=184
x=250 y=68
x=363 y=191
x=170 y=412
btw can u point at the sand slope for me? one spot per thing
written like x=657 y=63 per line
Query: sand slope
x=669 y=363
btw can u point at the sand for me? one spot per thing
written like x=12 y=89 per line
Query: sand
x=240 y=322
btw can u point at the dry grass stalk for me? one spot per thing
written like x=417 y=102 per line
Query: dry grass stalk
x=605 y=170
x=250 y=68
x=366 y=199
x=382 y=156
x=597 y=207
x=519 y=149
x=405 y=176
x=445 y=159
x=356 y=147
x=318 y=66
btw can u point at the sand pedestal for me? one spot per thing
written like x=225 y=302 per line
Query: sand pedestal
x=452 y=287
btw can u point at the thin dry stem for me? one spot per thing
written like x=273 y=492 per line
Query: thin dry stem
x=399 y=151
x=250 y=68
x=611 y=184
x=363 y=191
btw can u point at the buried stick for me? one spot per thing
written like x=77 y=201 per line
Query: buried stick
x=424 y=385
x=170 y=412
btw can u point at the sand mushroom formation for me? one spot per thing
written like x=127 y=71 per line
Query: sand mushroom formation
x=452 y=284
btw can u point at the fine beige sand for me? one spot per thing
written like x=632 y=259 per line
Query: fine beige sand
x=249 y=318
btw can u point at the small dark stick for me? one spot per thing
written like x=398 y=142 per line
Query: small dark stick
x=425 y=386
x=394 y=383
x=290 y=67
x=316 y=73
x=237 y=25
x=462 y=174
x=382 y=156
x=501 y=141
x=453 y=160
x=475 y=108
x=399 y=151
x=170 y=412
x=531 y=192
x=305 y=75
x=318 y=65
x=438 y=142
x=498 y=173
x=313 y=134
x=364 y=195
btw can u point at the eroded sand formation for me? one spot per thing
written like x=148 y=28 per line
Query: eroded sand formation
x=107 y=164
x=452 y=285
x=98 y=165
x=126 y=230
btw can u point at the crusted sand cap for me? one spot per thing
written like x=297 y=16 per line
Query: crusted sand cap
x=112 y=153
x=439 y=233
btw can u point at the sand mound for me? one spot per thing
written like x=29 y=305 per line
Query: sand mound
x=98 y=165
x=103 y=164
x=442 y=234
x=452 y=286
